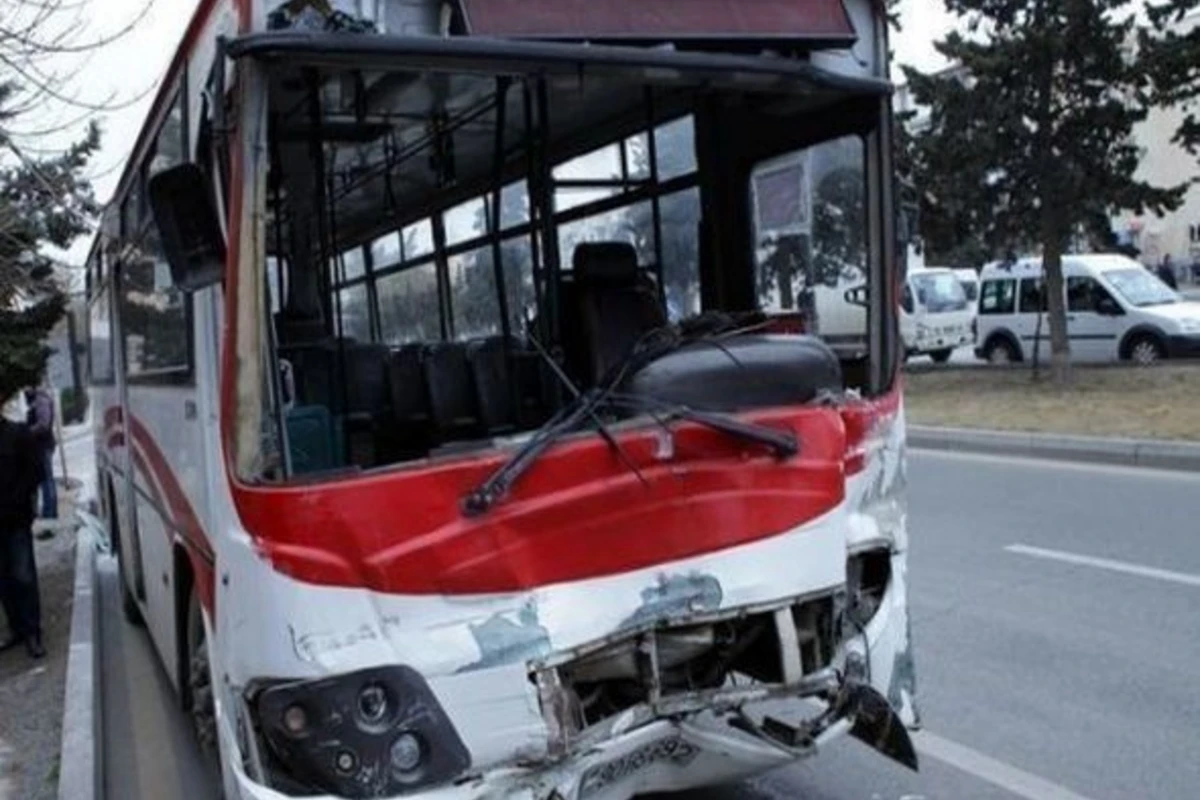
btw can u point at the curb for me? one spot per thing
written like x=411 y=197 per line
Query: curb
x=80 y=768
x=1090 y=449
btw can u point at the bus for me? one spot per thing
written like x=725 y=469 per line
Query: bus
x=463 y=429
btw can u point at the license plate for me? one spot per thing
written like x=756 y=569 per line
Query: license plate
x=672 y=750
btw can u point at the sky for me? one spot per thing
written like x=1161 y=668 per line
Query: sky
x=129 y=69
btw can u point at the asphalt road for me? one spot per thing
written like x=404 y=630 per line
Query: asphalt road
x=1044 y=673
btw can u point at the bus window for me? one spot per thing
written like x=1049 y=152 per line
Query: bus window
x=355 y=315
x=408 y=305
x=154 y=317
x=631 y=224
x=353 y=264
x=680 y=219
x=675 y=145
x=465 y=221
x=473 y=295
x=600 y=169
x=100 y=354
x=811 y=236
x=417 y=240
x=385 y=251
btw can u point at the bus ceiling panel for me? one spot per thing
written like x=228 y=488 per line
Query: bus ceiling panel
x=488 y=56
x=816 y=22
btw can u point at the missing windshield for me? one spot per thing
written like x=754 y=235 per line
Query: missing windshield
x=456 y=258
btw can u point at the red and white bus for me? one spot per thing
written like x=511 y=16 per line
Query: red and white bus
x=466 y=429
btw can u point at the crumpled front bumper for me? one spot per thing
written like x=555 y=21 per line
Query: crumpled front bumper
x=669 y=755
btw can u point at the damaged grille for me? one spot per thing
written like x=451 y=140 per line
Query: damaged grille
x=686 y=665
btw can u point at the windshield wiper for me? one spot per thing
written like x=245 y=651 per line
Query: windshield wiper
x=783 y=443
x=480 y=499
x=566 y=421
x=655 y=344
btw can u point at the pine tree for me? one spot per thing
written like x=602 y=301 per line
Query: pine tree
x=1039 y=129
x=1173 y=57
x=43 y=202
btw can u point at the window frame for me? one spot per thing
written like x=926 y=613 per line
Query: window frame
x=1000 y=284
x=128 y=249
x=103 y=294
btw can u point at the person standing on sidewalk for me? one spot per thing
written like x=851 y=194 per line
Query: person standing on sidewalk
x=1166 y=272
x=22 y=469
x=40 y=418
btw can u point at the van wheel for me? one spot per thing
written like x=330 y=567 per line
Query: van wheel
x=201 y=704
x=129 y=606
x=1000 y=351
x=1146 y=350
x=942 y=356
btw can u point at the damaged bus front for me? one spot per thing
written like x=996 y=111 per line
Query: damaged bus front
x=542 y=480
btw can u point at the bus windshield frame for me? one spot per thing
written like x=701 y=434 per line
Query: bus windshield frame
x=651 y=88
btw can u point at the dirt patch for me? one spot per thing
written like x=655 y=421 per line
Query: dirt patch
x=31 y=692
x=1143 y=403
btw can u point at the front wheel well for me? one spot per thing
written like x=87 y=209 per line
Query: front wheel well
x=1005 y=337
x=1135 y=335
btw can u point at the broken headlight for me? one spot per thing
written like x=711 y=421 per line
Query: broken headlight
x=371 y=733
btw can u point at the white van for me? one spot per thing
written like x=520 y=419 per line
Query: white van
x=935 y=314
x=969 y=279
x=1116 y=309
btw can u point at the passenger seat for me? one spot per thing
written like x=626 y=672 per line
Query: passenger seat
x=452 y=401
x=495 y=392
x=410 y=401
x=368 y=401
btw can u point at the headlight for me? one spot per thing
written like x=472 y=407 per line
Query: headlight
x=923 y=330
x=364 y=734
x=1189 y=325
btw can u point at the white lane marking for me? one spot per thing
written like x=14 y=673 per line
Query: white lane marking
x=1007 y=777
x=1185 y=578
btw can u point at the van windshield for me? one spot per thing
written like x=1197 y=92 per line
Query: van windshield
x=1140 y=288
x=940 y=292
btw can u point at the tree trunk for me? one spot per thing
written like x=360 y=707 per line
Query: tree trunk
x=1060 y=344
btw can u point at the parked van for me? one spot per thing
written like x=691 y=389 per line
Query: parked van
x=935 y=313
x=1116 y=309
x=969 y=279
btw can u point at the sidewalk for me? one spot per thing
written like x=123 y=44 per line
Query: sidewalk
x=31 y=692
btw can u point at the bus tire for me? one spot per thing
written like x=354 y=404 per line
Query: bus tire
x=942 y=356
x=199 y=699
x=129 y=606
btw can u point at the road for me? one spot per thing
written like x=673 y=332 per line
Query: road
x=1045 y=673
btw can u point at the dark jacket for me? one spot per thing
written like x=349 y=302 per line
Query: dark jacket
x=1166 y=274
x=20 y=474
x=40 y=418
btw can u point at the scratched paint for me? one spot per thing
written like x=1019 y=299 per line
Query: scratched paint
x=503 y=640
x=676 y=596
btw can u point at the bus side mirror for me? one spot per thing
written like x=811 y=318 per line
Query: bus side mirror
x=182 y=204
x=857 y=296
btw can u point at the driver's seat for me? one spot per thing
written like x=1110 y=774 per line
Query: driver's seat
x=615 y=302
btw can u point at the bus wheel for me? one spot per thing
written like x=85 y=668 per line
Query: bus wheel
x=942 y=356
x=200 y=686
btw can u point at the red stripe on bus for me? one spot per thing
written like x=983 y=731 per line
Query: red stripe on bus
x=578 y=514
